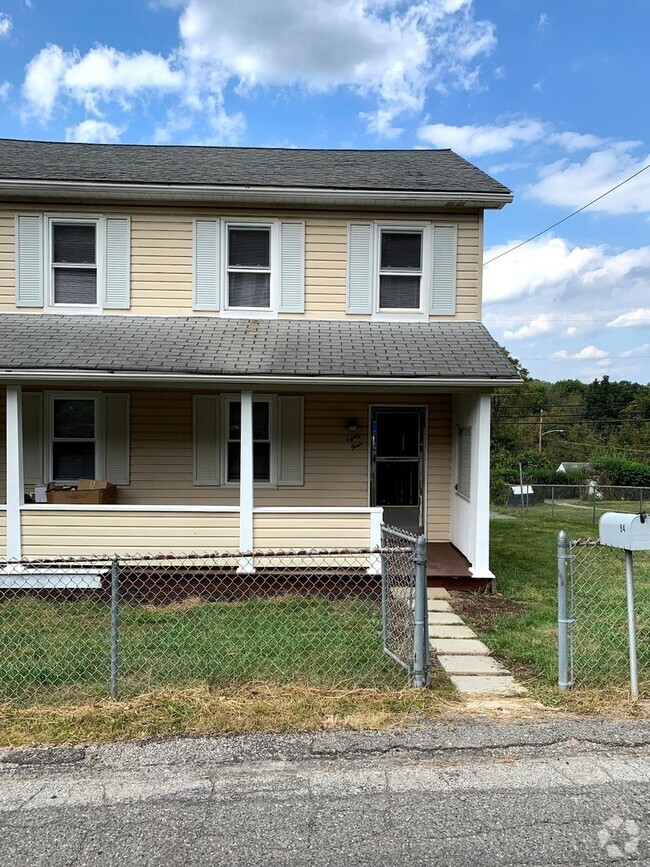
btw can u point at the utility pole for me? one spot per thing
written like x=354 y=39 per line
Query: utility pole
x=541 y=421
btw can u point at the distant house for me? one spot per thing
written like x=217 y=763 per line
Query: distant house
x=572 y=466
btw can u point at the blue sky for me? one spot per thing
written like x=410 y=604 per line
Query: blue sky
x=547 y=96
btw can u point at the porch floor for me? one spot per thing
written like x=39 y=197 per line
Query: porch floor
x=447 y=567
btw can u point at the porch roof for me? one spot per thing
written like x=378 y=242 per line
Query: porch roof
x=272 y=348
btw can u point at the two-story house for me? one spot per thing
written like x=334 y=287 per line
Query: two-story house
x=261 y=348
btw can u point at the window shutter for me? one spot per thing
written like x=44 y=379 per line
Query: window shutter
x=443 y=295
x=29 y=261
x=117 y=426
x=206 y=439
x=118 y=263
x=290 y=441
x=292 y=268
x=32 y=438
x=359 y=289
x=206 y=264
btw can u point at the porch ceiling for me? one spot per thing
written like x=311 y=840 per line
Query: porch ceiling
x=437 y=353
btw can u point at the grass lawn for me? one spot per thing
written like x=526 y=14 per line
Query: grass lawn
x=520 y=624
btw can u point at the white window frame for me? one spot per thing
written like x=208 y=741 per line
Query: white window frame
x=52 y=220
x=271 y=400
x=426 y=272
x=48 y=430
x=463 y=430
x=273 y=227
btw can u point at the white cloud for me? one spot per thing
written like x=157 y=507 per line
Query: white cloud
x=539 y=85
x=550 y=323
x=91 y=130
x=5 y=24
x=542 y=21
x=103 y=73
x=384 y=49
x=476 y=140
x=572 y=184
x=575 y=141
x=631 y=319
x=590 y=352
x=5 y=89
x=642 y=350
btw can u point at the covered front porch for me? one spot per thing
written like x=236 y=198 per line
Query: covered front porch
x=305 y=473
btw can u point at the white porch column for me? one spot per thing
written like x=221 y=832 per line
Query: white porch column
x=481 y=486
x=246 y=480
x=15 y=490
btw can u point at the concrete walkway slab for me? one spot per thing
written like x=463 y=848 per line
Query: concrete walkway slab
x=472 y=665
x=444 y=617
x=455 y=630
x=439 y=605
x=438 y=593
x=489 y=684
x=459 y=647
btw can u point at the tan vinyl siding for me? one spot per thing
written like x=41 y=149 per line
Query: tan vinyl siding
x=311 y=531
x=96 y=531
x=162 y=256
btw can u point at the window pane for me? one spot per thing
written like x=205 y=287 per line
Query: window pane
x=74 y=418
x=74 y=243
x=75 y=286
x=73 y=461
x=234 y=421
x=249 y=290
x=402 y=292
x=398 y=483
x=401 y=250
x=260 y=421
x=262 y=462
x=398 y=435
x=234 y=451
x=248 y=248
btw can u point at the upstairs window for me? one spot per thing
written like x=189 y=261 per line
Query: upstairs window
x=74 y=263
x=400 y=270
x=249 y=267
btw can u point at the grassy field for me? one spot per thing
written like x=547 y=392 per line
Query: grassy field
x=520 y=624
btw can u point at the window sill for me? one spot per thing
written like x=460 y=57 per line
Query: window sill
x=249 y=313
x=465 y=497
x=78 y=310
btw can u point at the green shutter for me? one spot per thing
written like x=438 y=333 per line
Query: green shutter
x=206 y=408
x=290 y=441
x=117 y=444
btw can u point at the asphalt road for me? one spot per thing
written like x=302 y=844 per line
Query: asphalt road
x=553 y=793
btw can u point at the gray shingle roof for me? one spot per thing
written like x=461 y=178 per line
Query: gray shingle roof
x=412 y=170
x=242 y=347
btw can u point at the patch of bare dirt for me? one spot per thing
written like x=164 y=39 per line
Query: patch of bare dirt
x=482 y=611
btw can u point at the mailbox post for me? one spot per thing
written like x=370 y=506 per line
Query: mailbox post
x=631 y=533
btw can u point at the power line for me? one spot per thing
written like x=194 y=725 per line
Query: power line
x=568 y=217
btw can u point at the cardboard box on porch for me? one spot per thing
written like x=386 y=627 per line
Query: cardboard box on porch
x=92 y=492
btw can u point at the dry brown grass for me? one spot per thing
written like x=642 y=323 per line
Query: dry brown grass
x=258 y=707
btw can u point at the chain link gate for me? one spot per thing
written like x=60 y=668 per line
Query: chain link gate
x=405 y=622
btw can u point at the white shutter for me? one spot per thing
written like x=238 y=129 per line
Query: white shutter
x=29 y=261
x=290 y=441
x=206 y=264
x=117 y=442
x=118 y=263
x=359 y=288
x=206 y=439
x=32 y=438
x=443 y=295
x=292 y=267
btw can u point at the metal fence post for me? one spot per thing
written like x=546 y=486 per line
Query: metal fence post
x=562 y=612
x=420 y=613
x=115 y=602
x=631 y=625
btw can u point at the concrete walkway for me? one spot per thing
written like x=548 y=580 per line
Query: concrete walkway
x=463 y=657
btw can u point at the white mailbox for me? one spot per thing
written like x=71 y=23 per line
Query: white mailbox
x=623 y=530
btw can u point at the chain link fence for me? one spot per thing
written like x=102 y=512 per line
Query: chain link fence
x=596 y=619
x=581 y=503
x=82 y=629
